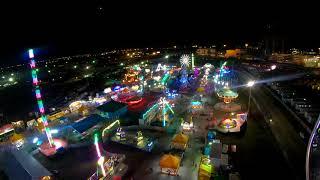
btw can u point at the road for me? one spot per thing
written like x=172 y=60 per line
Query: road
x=289 y=141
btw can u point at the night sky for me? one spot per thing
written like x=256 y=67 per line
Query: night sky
x=62 y=27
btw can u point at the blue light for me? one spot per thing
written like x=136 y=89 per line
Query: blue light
x=31 y=54
x=196 y=103
x=117 y=88
x=151 y=143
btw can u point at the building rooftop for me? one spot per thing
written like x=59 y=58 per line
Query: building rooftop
x=87 y=123
x=111 y=106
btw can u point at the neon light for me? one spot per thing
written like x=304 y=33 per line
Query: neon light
x=40 y=104
x=165 y=78
x=148 y=111
x=110 y=126
x=96 y=143
x=31 y=54
x=164 y=119
x=192 y=61
x=38 y=96
x=33 y=64
x=100 y=162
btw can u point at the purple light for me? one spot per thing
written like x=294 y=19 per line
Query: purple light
x=38 y=94
x=32 y=64
x=35 y=81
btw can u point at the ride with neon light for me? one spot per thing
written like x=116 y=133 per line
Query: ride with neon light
x=35 y=82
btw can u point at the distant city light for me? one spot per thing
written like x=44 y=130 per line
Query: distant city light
x=246 y=45
x=11 y=74
x=93 y=61
x=224 y=45
x=10 y=79
x=74 y=67
x=273 y=67
x=87 y=67
x=3 y=77
x=167 y=56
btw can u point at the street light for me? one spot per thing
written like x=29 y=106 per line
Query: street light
x=249 y=84
x=273 y=67
x=167 y=56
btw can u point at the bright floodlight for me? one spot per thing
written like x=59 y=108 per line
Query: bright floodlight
x=185 y=60
x=273 y=67
x=250 y=83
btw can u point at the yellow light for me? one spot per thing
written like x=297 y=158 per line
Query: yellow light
x=110 y=126
x=100 y=162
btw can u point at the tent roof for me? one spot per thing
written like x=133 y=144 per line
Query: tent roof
x=15 y=137
x=180 y=138
x=87 y=123
x=169 y=161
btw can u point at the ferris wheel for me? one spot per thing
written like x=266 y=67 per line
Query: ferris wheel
x=185 y=60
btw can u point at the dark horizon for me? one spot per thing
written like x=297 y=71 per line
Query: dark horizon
x=66 y=28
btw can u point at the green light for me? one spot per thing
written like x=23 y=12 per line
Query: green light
x=147 y=112
x=170 y=108
x=165 y=78
x=96 y=138
x=110 y=126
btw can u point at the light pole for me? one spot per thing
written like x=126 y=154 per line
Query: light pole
x=249 y=84
x=273 y=67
